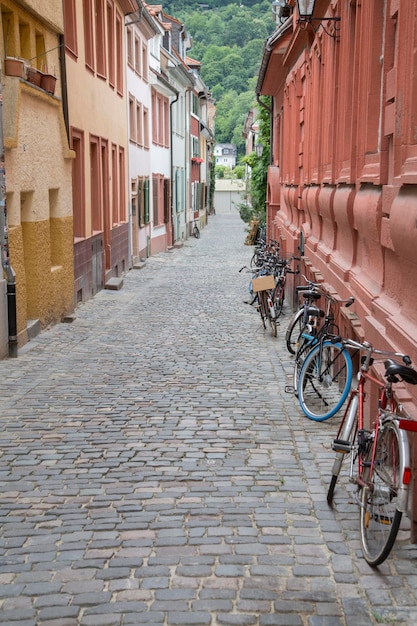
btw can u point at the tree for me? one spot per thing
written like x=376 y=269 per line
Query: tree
x=255 y=202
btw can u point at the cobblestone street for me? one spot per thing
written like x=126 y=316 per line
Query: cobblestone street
x=153 y=470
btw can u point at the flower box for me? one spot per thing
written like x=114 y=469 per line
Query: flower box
x=34 y=76
x=13 y=67
x=48 y=82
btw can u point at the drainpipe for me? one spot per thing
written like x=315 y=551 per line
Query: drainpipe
x=171 y=153
x=4 y=245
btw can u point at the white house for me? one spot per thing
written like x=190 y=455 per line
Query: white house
x=139 y=34
x=225 y=154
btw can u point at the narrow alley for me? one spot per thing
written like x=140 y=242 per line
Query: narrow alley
x=153 y=470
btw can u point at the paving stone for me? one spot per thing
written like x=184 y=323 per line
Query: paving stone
x=154 y=471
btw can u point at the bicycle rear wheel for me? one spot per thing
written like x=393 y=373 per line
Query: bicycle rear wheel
x=379 y=517
x=294 y=330
x=324 y=381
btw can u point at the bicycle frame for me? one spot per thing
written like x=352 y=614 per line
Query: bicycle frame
x=385 y=398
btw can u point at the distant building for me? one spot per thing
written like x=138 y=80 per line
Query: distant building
x=225 y=154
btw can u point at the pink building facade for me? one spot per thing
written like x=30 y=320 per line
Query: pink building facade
x=342 y=183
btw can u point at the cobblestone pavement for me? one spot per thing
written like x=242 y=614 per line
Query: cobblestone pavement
x=154 y=471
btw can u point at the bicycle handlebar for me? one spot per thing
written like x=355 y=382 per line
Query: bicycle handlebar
x=368 y=347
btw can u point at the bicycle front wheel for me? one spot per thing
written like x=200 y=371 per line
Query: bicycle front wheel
x=343 y=445
x=324 y=381
x=379 y=517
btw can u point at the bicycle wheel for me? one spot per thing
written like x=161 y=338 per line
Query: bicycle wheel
x=344 y=442
x=262 y=307
x=324 y=382
x=294 y=330
x=254 y=262
x=379 y=517
x=279 y=300
x=305 y=343
x=196 y=232
x=271 y=315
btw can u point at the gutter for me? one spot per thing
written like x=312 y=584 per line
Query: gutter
x=266 y=55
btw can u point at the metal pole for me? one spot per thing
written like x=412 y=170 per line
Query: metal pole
x=4 y=244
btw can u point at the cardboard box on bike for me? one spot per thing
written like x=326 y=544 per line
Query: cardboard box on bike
x=262 y=283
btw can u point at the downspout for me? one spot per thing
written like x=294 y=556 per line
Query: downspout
x=64 y=89
x=171 y=156
x=4 y=244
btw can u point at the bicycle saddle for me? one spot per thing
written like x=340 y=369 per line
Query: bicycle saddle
x=311 y=295
x=393 y=370
x=314 y=310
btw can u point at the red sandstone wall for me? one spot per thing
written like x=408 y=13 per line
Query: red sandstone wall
x=344 y=168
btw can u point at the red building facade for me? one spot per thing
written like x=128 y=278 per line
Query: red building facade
x=343 y=173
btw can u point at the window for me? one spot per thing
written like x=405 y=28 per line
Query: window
x=70 y=28
x=132 y=119
x=95 y=198
x=139 y=124
x=88 y=34
x=100 y=39
x=122 y=193
x=138 y=56
x=110 y=43
x=119 y=53
x=145 y=127
x=129 y=43
x=41 y=62
x=78 y=183
x=144 y=61
x=105 y=186
x=115 y=184
x=158 y=197
x=160 y=119
x=24 y=37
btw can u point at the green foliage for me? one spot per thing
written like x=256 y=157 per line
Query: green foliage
x=228 y=40
x=254 y=205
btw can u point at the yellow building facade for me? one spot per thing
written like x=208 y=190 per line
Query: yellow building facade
x=38 y=163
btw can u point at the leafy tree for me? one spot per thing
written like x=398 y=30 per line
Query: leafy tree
x=228 y=38
x=254 y=205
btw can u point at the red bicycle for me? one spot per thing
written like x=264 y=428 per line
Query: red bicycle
x=379 y=456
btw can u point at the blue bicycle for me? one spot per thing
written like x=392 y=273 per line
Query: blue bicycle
x=323 y=367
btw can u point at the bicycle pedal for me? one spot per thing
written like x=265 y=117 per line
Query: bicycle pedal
x=289 y=389
x=339 y=445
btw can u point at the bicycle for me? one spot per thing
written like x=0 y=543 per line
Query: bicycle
x=196 y=231
x=379 y=456
x=323 y=368
x=264 y=252
x=263 y=285
x=300 y=319
x=278 y=294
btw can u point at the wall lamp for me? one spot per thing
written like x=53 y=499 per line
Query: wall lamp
x=305 y=10
x=259 y=147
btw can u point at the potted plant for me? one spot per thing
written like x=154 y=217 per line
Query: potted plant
x=13 y=66
x=48 y=82
x=34 y=76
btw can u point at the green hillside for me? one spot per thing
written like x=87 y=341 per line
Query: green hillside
x=227 y=39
